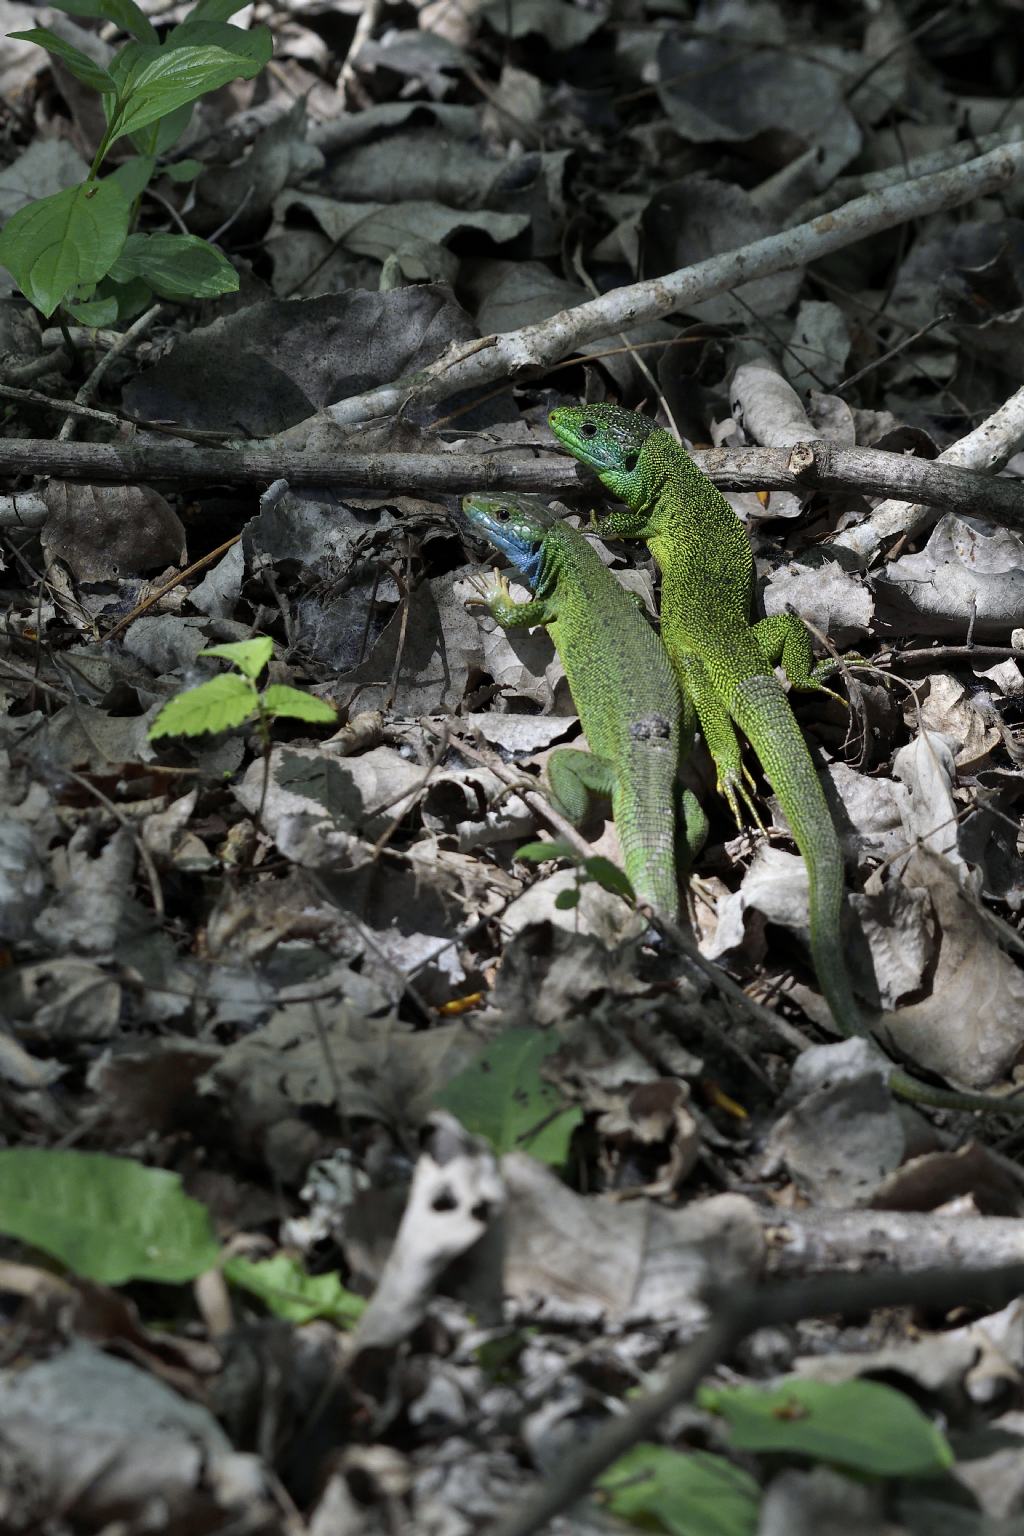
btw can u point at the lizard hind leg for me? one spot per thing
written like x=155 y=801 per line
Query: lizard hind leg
x=784 y=639
x=574 y=776
x=720 y=734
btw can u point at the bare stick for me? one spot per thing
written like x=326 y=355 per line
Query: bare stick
x=733 y=1318
x=527 y=352
x=808 y=466
x=987 y=447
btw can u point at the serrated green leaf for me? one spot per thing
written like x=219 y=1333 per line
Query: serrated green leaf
x=249 y=656
x=176 y=266
x=124 y=13
x=254 y=43
x=65 y=241
x=109 y=1219
x=283 y=1286
x=291 y=703
x=133 y=176
x=609 y=876
x=218 y=705
x=502 y=1096
x=539 y=853
x=693 y=1495
x=95 y=312
x=161 y=80
x=81 y=66
x=862 y=1425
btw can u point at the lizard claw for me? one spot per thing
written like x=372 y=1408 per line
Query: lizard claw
x=487 y=590
x=733 y=788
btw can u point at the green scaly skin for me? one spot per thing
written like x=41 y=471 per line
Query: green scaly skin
x=622 y=684
x=725 y=665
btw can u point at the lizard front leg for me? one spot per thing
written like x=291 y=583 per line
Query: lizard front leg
x=494 y=594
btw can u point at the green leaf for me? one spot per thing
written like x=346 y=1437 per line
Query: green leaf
x=502 y=1096
x=161 y=80
x=133 y=176
x=249 y=656
x=292 y=704
x=183 y=170
x=283 y=1286
x=96 y=312
x=176 y=266
x=540 y=853
x=131 y=298
x=124 y=13
x=218 y=705
x=567 y=899
x=256 y=43
x=215 y=10
x=109 y=1219
x=159 y=137
x=609 y=875
x=65 y=241
x=81 y=66
x=693 y=1495
x=862 y=1425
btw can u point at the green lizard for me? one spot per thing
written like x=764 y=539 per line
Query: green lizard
x=621 y=682
x=725 y=663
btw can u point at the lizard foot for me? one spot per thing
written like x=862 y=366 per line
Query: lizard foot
x=488 y=590
x=732 y=786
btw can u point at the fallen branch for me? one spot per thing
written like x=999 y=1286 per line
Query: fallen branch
x=807 y=467
x=733 y=1318
x=987 y=447
x=530 y=351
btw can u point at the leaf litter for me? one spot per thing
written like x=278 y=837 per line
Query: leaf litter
x=464 y=1155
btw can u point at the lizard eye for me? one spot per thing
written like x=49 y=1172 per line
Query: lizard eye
x=630 y=462
x=588 y=429
x=502 y=514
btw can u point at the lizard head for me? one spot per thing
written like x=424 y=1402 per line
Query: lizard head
x=607 y=439
x=517 y=525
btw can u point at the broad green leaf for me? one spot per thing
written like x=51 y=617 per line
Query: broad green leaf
x=109 y=1219
x=567 y=899
x=81 y=66
x=183 y=170
x=256 y=43
x=283 y=1286
x=862 y=1425
x=502 y=1096
x=689 y=1495
x=216 y=10
x=132 y=176
x=95 y=312
x=176 y=266
x=218 y=705
x=131 y=298
x=162 y=83
x=65 y=241
x=609 y=875
x=160 y=136
x=249 y=656
x=539 y=853
x=292 y=704
x=124 y=13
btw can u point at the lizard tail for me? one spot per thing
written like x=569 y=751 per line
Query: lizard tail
x=761 y=710
x=644 y=808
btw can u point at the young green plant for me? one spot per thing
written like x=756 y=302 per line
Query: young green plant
x=76 y=248
x=233 y=698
